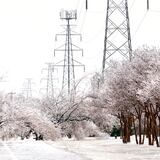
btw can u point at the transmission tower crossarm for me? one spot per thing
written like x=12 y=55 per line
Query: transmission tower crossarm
x=60 y=49
x=72 y=34
x=57 y=50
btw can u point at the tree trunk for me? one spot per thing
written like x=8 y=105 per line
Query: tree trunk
x=140 y=129
x=135 y=131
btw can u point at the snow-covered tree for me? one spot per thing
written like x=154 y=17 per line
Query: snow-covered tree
x=124 y=85
x=21 y=120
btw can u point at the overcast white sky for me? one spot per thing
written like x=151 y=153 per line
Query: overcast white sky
x=28 y=28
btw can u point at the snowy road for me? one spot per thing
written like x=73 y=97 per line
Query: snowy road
x=88 y=149
x=109 y=149
x=31 y=150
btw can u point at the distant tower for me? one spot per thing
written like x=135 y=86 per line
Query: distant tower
x=117 y=41
x=27 y=90
x=68 y=63
x=50 y=89
x=49 y=78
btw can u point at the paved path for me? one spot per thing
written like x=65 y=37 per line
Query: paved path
x=33 y=150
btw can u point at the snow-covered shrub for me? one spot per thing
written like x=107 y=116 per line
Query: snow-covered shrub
x=106 y=122
x=80 y=130
x=20 y=120
x=9 y=130
x=40 y=124
x=72 y=129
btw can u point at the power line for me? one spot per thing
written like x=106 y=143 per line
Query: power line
x=80 y=13
x=156 y=11
x=140 y=24
x=77 y=5
x=132 y=5
x=85 y=15
x=83 y=22
x=95 y=35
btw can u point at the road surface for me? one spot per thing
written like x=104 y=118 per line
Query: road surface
x=110 y=149
x=34 y=150
x=88 y=149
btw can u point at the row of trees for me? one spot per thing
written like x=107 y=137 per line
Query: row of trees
x=21 y=119
x=48 y=118
x=128 y=92
x=131 y=92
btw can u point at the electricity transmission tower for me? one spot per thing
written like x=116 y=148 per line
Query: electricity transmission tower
x=50 y=86
x=117 y=41
x=11 y=96
x=68 y=63
x=27 y=90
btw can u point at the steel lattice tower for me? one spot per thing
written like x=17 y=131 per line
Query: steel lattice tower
x=117 y=39
x=49 y=78
x=50 y=89
x=68 y=63
x=27 y=90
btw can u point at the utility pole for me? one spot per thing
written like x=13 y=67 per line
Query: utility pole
x=68 y=63
x=50 y=86
x=27 y=90
x=117 y=41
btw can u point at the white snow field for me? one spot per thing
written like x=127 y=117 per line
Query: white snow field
x=34 y=150
x=109 y=149
x=88 y=149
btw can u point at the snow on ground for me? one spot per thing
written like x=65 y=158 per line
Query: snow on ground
x=88 y=149
x=109 y=149
x=34 y=150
